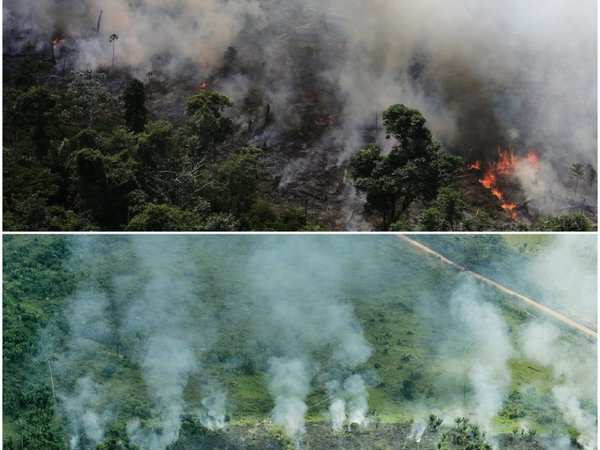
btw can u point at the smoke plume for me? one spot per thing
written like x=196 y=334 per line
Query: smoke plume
x=513 y=74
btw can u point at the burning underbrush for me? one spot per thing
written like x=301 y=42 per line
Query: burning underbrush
x=501 y=177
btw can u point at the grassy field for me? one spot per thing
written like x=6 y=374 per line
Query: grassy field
x=400 y=297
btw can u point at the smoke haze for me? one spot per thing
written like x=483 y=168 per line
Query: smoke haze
x=164 y=304
x=518 y=74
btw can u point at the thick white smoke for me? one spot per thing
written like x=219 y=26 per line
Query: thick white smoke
x=488 y=353
x=574 y=372
x=172 y=340
x=289 y=384
x=565 y=274
x=296 y=312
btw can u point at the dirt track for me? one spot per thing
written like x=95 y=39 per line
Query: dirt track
x=530 y=302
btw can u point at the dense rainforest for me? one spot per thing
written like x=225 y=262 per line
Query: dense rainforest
x=85 y=151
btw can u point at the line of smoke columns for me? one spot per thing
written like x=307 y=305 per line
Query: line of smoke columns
x=171 y=328
x=293 y=313
x=539 y=54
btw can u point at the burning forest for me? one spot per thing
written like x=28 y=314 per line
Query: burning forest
x=306 y=342
x=100 y=134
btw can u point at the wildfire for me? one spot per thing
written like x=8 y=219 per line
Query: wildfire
x=506 y=165
x=204 y=85
x=56 y=41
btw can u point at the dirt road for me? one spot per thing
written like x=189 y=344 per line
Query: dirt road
x=530 y=302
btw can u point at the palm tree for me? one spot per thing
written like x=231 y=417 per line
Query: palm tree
x=113 y=37
x=577 y=172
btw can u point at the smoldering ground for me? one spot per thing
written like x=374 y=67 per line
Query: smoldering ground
x=176 y=313
x=486 y=75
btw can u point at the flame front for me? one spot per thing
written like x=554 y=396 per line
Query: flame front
x=505 y=167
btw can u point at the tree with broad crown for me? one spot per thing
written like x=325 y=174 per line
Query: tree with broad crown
x=417 y=167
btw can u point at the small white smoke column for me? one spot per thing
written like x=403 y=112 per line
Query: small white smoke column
x=81 y=408
x=337 y=412
x=357 y=396
x=167 y=367
x=417 y=431
x=289 y=384
x=349 y=402
x=212 y=415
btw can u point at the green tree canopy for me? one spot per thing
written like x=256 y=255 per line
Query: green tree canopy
x=416 y=168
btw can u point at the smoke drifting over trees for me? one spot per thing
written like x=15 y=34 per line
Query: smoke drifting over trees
x=514 y=73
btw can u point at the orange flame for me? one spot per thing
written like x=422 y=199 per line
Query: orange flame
x=505 y=167
x=56 y=41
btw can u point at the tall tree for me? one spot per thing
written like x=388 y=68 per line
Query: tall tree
x=415 y=168
x=135 y=106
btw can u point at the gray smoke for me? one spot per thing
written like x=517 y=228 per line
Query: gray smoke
x=89 y=330
x=511 y=73
x=213 y=411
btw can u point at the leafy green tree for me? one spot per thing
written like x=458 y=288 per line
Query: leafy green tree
x=155 y=143
x=416 y=168
x=236 y=183
x=32 y=114
x=87 y=103
x=91 y=175
x=446 y=213
x=432 y=219
x=208 y=126
x=463 y=436
x=135 y=106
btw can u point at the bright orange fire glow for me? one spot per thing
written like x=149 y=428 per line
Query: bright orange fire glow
x=505 y=167
x=56 y=41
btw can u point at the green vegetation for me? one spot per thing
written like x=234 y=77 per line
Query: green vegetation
x=84 y=151
x=464 y=436
x=79 y=157
x=403 y=322
x=416 y=168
